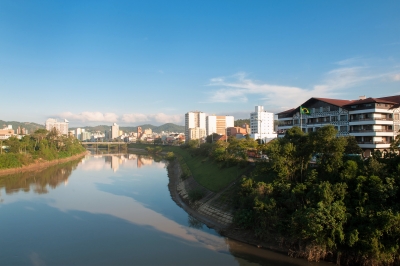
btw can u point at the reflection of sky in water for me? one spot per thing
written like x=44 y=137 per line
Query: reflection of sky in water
x=93 y=205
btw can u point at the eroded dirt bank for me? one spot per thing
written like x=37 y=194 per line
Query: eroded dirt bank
x=40 y=164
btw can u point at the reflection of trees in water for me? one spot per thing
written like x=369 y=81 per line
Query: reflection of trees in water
x=194 y=223
x=39 y=181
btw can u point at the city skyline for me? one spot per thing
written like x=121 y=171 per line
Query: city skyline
x=150 y=62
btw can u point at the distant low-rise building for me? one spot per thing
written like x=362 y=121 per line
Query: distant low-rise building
x=61 y=127
x=243 y=130
x=6 y=132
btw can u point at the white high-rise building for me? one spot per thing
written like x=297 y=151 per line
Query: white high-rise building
x=114 y=131
x=78 y=134
x=262 y=124
x=218 y=124
x=193 y=120
x=62 y=127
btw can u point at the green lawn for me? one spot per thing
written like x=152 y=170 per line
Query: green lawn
x=205 y=171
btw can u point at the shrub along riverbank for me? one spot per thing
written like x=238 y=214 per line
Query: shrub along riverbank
x=339 y=207
x=42 y=145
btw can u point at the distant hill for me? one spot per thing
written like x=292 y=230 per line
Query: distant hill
x=241 y=122
x=31 y=127
x=170 y=127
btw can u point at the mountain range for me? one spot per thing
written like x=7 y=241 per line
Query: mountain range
x=170 y=127
x=30 y=126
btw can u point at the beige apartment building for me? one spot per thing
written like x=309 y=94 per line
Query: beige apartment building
x=218 y=124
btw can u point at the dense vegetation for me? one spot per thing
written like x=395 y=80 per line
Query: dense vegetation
x=41 y=145
x=241 y=122
x=340 y=207
x=315 y=194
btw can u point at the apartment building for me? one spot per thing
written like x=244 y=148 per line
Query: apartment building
x=193 y=120
x=262 y=124
x=61 y=127
x=218 y=124
x=114 y=131
x=374 y=122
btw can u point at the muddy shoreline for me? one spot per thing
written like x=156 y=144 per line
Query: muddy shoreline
x=40 y=165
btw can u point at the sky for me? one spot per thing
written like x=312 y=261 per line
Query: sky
x=138 y=62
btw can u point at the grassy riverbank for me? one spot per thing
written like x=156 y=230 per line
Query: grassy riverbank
x=208 y=173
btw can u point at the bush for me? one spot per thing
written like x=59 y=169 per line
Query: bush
x=9 y=160
x=196 y=194
x=170 y=156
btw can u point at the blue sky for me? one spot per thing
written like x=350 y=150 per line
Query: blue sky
x=135 y=62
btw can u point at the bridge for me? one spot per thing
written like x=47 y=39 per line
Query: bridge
x=102 y=143
x=96 y=144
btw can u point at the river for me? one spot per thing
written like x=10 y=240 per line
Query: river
x=110 y=210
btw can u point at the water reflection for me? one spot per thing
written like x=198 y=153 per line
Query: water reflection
x=116 y=209
x=115 y=160
x=194 y=223
x=39 y=181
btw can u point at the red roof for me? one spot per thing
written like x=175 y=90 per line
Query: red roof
x=336 y=102
x=389 y=99
x=287 y=111
x=392 y=99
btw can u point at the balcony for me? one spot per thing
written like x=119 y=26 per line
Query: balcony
x=373 y=142
x=370 y=130
x=319 y=122
x=370 y=119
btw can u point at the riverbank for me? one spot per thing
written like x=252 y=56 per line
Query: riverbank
x=211 y=212
x=40 y=165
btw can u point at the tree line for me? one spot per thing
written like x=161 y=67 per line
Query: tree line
x=41 y=145
x=318 y=198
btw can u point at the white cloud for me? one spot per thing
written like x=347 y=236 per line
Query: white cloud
x=238 y=88
x=164 y=118
x=159 y=118
x=86 y=117
x=133 y=118
x=90 y=117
